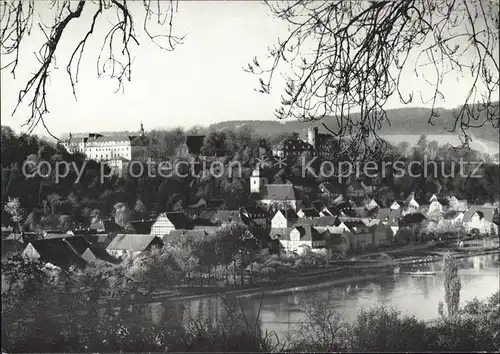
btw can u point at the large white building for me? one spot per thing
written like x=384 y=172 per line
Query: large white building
x=120 y=147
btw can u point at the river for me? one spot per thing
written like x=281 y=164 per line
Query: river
x=417 y=296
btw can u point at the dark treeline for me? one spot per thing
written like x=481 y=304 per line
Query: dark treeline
x=47 y=203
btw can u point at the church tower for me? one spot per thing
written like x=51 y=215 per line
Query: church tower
x=142 y=130
x=256 y=181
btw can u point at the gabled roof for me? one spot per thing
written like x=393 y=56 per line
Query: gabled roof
x=370 y=222
x=58 y=252
x=279 y=192
x=178 y=219
x=308 y=233
x=289 y=214
x=131 y=242
x=484 y=212
x=356 y=226
x=309 y=212
x=452 y=214
x=96 y=254
x=372 y=204
x=142 y=227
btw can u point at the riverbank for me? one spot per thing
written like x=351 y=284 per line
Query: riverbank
x=323 y=277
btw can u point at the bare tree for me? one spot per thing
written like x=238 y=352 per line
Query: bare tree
x=349 y=55
x=18 y=17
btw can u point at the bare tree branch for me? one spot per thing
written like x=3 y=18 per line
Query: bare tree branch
x=349 y=55
x=114 y=60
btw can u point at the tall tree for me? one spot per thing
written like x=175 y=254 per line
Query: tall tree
x=452 y=286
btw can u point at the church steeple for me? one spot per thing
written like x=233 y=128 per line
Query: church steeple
x=142 y=130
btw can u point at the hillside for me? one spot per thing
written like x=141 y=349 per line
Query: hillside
x=412 y=121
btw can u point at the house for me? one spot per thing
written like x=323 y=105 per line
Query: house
x=328 y=212
x=338 y=240
x=372 y=205
x=282 y=222
x=382 y=234
x=167 y=222
x=435 y=211
x=480 y=219
x=291 y=147
x=454 y=216
x=362 y=236
x=280 y=196
x=411 y=203
x=97 y=254
x=132 y=245
x=302 y=236
x=254 y=214
x=58 y=251
x=397 y=204
x=308 y=213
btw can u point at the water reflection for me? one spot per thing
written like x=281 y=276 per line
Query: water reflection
x=412 y=295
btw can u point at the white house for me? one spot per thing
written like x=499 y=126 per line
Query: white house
x=372 y=204
x=435 y=210
x=302 y=237
x=395 y=206
x=480 y=219
x=132 y=245
x=167 y=222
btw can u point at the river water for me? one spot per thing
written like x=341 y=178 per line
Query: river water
x=419 y=296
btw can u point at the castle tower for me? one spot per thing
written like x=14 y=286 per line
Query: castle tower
x=311 y=136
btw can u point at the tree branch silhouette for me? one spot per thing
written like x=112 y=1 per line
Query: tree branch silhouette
x=348 y=55
x=114 y=60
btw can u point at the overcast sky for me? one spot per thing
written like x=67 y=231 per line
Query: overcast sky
x=199 y=83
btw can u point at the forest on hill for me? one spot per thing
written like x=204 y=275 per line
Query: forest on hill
x=401 y=121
